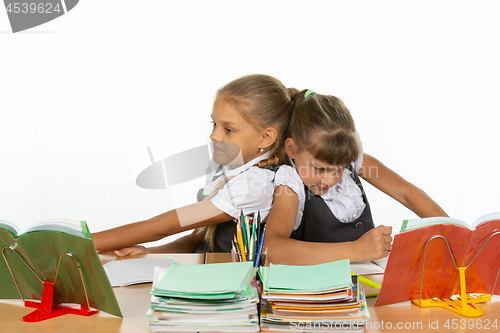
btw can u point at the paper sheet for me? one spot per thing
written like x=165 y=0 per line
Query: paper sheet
x=134 y=271
x=369 y=267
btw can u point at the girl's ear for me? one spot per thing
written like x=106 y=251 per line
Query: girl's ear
x=269 y=135
x=291 y=148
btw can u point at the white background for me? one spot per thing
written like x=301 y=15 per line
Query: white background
x=83 y=96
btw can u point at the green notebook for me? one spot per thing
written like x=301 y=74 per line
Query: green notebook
x=248 y=296
x=41 y=246
x=312 y=278
x=205 y=280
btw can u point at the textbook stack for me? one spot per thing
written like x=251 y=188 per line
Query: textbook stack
x=204 y=298
x=321 y=297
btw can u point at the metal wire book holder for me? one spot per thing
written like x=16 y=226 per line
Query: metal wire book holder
x=45 y=309
x=465 y=304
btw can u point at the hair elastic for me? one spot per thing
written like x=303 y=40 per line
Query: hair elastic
x=308 y=92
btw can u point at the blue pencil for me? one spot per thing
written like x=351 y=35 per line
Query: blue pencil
x=261 y=243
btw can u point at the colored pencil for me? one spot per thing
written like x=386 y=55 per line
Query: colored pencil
x=240 y=241
x=255 y=241
x=259 y=251
x=367 y=281
x=249 y=234
x=243 y=231
x=238 y=254
x=250 y=250
x=233 y=249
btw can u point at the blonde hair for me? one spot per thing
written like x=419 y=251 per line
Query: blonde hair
x=262 y=101
x=323 y=126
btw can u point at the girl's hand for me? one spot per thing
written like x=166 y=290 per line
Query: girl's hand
x=129 y=251
x=375 y=244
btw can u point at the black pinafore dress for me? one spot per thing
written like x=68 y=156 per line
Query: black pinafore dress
x=224 y=233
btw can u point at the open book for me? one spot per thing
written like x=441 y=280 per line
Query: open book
x=475 y=247
x=31 y=257
x=420 y=223
x=62 y=225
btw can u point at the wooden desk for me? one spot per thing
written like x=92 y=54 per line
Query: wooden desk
x=135 y=300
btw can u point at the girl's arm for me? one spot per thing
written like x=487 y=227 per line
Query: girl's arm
x=185 y=244
x=392 y=184
x=375 y=244
x=169 y=223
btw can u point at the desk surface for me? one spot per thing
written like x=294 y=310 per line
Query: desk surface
x=135 y=300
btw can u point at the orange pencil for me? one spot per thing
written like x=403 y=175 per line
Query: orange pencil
x=240 y=241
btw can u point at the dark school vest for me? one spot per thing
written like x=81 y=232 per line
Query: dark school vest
x=319 y=224
x=224 y=232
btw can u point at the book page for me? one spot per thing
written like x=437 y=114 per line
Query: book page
x=134 y=271
x=486 y=218
x=428 y=221
x=9 y=226
x=381 y=262
x=72 y=227
x=366 y=267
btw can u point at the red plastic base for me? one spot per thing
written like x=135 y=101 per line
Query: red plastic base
x=46 y=310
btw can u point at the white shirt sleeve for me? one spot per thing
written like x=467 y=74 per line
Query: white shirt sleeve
x=288 y=176
x=250 y=191
x=356 y=165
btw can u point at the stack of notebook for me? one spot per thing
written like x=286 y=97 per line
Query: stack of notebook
x=201 y=298
x=317 y=297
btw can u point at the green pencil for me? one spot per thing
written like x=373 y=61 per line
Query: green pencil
x=254 y=236
x=243 y=230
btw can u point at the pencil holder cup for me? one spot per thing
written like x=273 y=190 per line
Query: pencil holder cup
x=259 y=259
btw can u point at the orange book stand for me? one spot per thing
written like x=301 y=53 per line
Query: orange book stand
x=464 y=304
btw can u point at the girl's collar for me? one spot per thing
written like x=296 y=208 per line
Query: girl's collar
x=230 y=171
x=249 y=164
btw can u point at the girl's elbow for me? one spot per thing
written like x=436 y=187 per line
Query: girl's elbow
x=269 y=242
x=274 y=257
x=274 y=249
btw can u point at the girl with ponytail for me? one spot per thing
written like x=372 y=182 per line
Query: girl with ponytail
x=320 y=211
x=250 y=120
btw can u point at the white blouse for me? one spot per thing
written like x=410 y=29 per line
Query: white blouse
x=344 y=199
x=251 y=189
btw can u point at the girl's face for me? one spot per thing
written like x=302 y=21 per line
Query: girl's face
x=318 y=176
x=235 y=140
